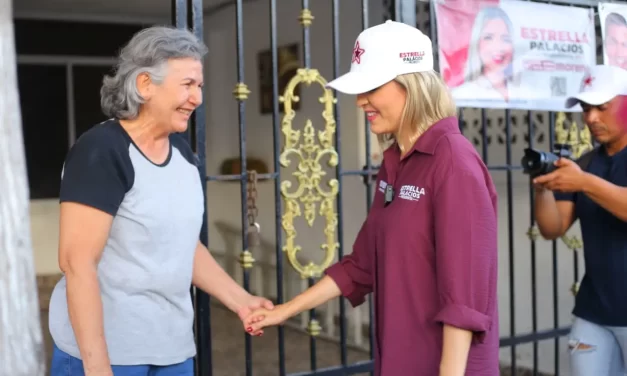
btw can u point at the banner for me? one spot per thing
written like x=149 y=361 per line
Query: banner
x=614 y=33
x=514 y=54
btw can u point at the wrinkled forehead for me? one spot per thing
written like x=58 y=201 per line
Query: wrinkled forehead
x=187 y=67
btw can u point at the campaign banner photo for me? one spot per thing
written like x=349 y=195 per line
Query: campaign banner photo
x=614 y=33
x=514 y=54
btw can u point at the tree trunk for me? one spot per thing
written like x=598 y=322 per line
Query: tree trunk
x=21 y=342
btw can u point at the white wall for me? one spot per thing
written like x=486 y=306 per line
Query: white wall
x=224 y=198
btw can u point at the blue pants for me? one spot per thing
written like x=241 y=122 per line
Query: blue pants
x=64 y=364
x=597 y=350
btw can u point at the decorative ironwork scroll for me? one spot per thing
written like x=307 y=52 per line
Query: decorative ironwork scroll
x=309 y=148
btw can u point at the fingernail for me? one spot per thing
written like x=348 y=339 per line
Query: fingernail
x=249 y=329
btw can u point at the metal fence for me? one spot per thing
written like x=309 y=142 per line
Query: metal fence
x=189 y=13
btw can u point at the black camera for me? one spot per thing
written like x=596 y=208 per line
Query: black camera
x=536 y=163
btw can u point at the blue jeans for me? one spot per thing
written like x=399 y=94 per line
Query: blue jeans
x=64 y=364
x=597 y=350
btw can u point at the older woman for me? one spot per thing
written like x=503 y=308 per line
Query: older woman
x=428 y=247
x=131 y=212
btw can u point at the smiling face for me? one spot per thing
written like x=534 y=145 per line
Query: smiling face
x=495 y=45
x=384 y=107
x=173 y=101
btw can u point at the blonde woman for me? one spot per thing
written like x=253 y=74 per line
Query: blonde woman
x=489 y=73
x=428 y=249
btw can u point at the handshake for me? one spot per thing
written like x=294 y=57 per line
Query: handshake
x=257 y=313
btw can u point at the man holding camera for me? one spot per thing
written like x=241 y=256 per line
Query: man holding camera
x=594 y=190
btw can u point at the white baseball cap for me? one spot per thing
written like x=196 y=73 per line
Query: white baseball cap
x=599 y=85
x=382 y=53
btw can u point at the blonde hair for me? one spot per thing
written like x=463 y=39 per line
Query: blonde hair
x=428 y=101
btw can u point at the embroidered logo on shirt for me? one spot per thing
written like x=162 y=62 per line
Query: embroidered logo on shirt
x=411 y=192
x=382 y=186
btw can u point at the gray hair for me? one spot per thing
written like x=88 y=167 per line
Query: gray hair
x=147 y=52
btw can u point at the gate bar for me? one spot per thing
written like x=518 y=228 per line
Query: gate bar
x=532 y=240
x=179 y=13
x=310 y=281
x=368 y=174
x=405 y=12
x=555 y=270
x=278 y=203
x=537 y=336
x=188 y=14
x=510 y=237
x=338 y=169
x=203 y=313
x=241 y=93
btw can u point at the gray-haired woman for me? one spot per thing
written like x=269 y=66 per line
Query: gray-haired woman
x=131 y=212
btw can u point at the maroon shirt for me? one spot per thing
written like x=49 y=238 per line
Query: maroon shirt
x=429 y=256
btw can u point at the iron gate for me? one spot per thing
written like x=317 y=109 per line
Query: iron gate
x=189 y=14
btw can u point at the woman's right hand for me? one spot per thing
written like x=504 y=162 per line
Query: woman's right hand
x=260 y=318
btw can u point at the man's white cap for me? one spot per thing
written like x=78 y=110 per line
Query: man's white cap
x=599 y=85
x=383 y=52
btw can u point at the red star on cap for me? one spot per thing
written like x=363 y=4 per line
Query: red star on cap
x=357 y=52
x=588 y=81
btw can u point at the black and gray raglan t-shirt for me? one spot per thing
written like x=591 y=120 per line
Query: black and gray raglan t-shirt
x=145 y=271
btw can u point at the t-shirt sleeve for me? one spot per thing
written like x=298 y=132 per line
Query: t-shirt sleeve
x=96 y=173
x=565 y=196
x=466 y=252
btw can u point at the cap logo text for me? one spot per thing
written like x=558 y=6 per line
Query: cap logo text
x=412 y=57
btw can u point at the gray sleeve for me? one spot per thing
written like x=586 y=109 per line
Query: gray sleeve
x=97 y=171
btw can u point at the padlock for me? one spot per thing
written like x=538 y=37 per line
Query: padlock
x=254 y=239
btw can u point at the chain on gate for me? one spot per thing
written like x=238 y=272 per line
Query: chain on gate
x=251 y=202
